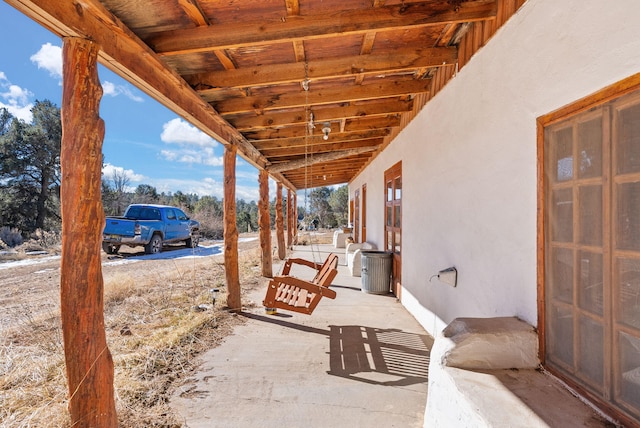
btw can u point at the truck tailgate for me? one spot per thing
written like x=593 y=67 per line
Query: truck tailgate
x=119 y=227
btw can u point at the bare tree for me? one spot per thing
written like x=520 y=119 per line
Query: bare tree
x=120 y=180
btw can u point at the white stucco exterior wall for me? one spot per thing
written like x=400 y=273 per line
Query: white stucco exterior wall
x=469 y=158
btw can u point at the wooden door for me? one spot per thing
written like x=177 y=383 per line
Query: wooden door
x=364 y=213
x=393 y=222
x=356 y=216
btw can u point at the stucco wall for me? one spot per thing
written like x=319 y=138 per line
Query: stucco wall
x=469 y=158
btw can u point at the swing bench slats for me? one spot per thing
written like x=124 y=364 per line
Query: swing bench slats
x=299 y=295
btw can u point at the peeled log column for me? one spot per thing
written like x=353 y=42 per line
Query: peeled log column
x=88 y=360
x=289 y=219
x=282 y=251
x=295 y=218
x=231 y=269
x=264 y=220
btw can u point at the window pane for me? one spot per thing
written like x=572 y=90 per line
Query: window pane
x=591 y=361
x=398 y=185
x=590 y=148
x=562 y=215
x=561 y=332
x=389 y=241
x=628 y=144
x=389 y=216
x=590 y=282
x=397 y=216
x=397 y=242
x=628 y=292
x=590 y=211
x=389 y=191
x=628 y=221
x=561 y=275
x=629 y=355
x=564 y=154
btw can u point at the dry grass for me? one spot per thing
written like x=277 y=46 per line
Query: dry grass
x=154 y=334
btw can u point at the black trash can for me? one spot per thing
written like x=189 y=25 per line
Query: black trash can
x=376 y=271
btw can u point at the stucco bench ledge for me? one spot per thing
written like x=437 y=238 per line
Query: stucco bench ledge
x=484 y=372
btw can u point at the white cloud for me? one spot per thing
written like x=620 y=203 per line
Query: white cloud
x=108 y=171
x=204 y=156
x=113 y=90
x=15 y=99
x=177 y=131
x=49 y=57
x=193 y=146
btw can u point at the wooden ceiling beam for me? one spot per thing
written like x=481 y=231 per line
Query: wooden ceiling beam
x=194 y=12
x=383 y=89
x=385 y=62
x=335 y=165
x=312 y=149
x=354 y=125
x=307 y=27
x=275 y=119
x=317 y=139
x=319 y=158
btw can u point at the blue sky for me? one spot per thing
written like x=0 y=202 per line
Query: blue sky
x=143 y=138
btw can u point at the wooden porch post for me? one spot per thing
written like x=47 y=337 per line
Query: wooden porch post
x=264 y=220
x=289 y=219
x=88 y=360
x=282 y=251
x=295 y=218
x=231 y=230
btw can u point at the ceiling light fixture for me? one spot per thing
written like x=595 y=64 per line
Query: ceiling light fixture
x=326 y=129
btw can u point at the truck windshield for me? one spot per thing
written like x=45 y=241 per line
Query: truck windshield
x=143 y=213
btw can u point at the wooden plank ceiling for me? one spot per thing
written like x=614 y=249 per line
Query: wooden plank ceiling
x=270 y=75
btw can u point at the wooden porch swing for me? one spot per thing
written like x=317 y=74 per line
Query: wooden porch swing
x=299 y=295
x=289 y=292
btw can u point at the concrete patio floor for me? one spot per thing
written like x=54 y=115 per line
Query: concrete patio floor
x=360 y=360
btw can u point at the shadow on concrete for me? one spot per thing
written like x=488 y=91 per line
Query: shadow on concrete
x=380 y=356
x=388 y=357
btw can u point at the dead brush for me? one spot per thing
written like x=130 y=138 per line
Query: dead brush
x=32 y=374
x=154 y=336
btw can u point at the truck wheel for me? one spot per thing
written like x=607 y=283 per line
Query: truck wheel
x=154 y=246
x=110 y=248
x=193 y=241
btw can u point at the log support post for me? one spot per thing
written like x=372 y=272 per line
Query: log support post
x=231 y=268
x=289 y=219
x=264 y=221
x=89 y=364
x=282 y=250
x=295 y=218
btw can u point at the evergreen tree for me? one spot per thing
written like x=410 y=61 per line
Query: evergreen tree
x=30 y=169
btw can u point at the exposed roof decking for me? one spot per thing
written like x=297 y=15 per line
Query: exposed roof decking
x=238 y=69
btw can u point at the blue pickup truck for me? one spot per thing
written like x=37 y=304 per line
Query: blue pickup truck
x=150 y=226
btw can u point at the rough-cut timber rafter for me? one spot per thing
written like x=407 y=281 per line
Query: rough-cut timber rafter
x=375 y=90
x=277 y=119
x=387 y=62
x=325 y=157
x=387 y=18
x=312 y=149
x=318 y=139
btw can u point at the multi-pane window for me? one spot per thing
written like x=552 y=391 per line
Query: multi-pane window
x=592 y=252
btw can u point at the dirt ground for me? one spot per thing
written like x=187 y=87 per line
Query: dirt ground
x=159 y=315
x=30 y=286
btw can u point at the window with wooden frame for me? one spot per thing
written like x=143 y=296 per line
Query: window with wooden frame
x=590 y=272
